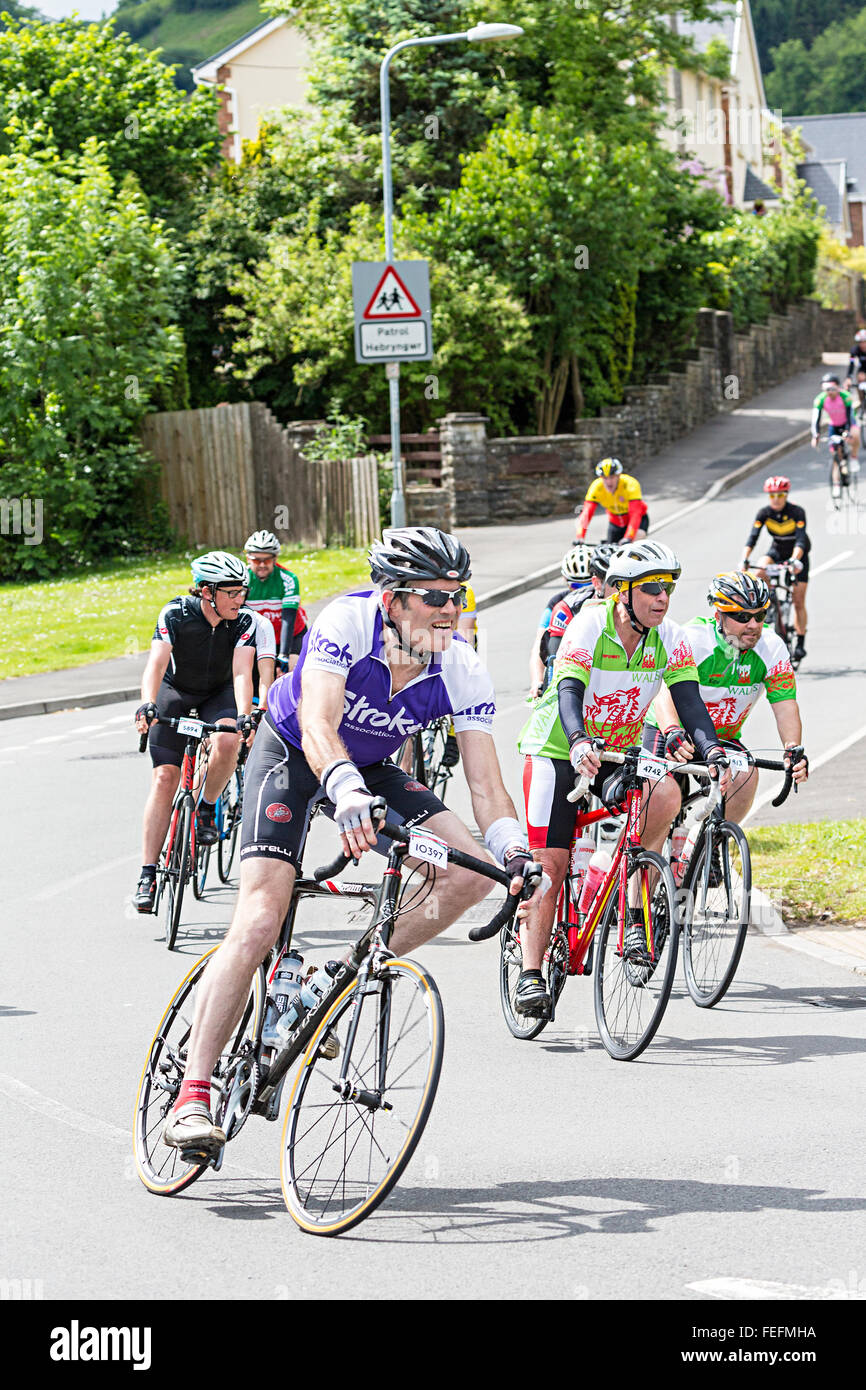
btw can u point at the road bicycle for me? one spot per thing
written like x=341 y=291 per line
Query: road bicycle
x=781 y=579
x=431 y=755
x=180 y=858
x=844 y=471
x=714 y=876
x=372 y=1054
x=631 y=986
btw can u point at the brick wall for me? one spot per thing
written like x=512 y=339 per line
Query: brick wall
x=487 y=481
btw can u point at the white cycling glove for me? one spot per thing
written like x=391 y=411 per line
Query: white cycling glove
x=352 y=799
x=578 y=751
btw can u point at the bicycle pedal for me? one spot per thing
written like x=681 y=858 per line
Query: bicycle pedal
x=329 y=1048
x=200 y=1156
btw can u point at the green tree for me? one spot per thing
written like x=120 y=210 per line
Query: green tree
x=63 y=83
x=89 y=342
x=825 y=78
x=777 y=21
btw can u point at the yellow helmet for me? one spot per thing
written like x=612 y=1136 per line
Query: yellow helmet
x=608 y=468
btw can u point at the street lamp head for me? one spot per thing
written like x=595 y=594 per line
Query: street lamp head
x=482 y=32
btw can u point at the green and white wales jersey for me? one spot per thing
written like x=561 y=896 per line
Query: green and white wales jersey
x=618 y=692
x=731 y=682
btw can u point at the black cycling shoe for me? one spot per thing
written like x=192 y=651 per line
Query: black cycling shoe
x=450 y=753
x=206 y=832
x=799 y=650
x=531 y=997
x=634 y=947
x=145 y=893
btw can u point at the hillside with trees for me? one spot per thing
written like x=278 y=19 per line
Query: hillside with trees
x=187 y=31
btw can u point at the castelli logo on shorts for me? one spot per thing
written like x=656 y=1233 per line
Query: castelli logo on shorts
x=277 y=811
x=414 y=786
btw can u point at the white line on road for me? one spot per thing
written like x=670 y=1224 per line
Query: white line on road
x=55 y=1110
x=54 y=889
x=769 y=1289
x=814 y=764
x=836 y=560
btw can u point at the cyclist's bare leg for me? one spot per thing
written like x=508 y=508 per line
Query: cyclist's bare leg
x=157 y=810
x=221 y=761
x=263 y=900
x=854 y=441
x=798 y=594
x=535 y=935
x=455 y=891
x=661 y=803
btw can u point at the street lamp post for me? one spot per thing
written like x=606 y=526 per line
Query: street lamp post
x=479 y=34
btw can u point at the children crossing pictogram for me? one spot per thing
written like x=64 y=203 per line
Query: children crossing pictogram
x=391 y=299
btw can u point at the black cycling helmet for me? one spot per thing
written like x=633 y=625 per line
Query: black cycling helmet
x=600 y=562
x=737 y=591
x=829 y=379
x=409 y=554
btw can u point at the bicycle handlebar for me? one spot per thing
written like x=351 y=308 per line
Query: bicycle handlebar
x=173 y=723
x=455 y=856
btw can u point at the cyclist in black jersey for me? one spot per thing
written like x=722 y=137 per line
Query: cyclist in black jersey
x=786 y=527
x=201 y=657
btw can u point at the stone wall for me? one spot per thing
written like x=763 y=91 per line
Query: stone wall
x=486 y=481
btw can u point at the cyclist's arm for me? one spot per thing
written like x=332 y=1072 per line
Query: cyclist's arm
x=242 y=676
x=817 y=408
x=536 y=663
x=636 y=512
x=694 y=717
x=157 y=665
x=788 y=722
x=323 y=695
x=494 y=811
x=665 y=711
x=287 y=630
x=584 y=519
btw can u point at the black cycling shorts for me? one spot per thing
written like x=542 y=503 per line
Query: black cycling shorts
x=776 y=555
x=297 y=642
x=616 y=534
x=166 y=745
x=280 y=791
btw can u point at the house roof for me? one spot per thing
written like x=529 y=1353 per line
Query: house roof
x=207 y=71
x=755 y=189
x=827 y=180
x=838 y=137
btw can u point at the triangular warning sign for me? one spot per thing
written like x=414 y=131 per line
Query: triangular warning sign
x=391 y=299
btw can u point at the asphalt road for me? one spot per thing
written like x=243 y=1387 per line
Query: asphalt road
x=727 y=1160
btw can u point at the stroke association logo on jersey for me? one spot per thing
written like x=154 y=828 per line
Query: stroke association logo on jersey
x=358 y=711
x=328 y=651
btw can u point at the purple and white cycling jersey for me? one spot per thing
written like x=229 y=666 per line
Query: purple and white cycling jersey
x=347 y=639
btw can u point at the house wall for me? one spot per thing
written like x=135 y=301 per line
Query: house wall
x=272 y=72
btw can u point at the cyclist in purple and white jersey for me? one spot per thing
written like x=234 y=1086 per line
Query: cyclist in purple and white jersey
x=377 y=666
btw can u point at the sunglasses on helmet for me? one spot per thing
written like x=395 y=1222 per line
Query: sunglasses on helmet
x=437 y=598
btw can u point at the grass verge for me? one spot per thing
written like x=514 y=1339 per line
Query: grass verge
x=813 y=872
x=112 y=611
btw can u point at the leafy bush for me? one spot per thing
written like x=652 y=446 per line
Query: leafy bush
x=88 y=342
x=760 y=265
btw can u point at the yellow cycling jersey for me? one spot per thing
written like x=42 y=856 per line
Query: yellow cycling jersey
x=627 y=490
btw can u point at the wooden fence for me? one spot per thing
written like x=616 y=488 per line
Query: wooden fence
x=234 y=469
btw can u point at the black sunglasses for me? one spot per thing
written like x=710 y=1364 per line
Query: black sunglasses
x=437 y=598
x=657 y=586
x=744 y=618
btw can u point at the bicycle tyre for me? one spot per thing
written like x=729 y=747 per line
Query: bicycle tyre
x=231 y=812
x=199 y=876
x=161 y=1169
x=711 y=953
x=630 y=999
x=525 y=1027
x=177 y=873
x=437 y=773
x=327 y=1204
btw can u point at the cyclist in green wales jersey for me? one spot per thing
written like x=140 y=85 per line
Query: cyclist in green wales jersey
x=737 y=659
x=275 y=594
x=614 y=658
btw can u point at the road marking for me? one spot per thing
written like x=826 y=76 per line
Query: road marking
x=56 y=888
x=55 y=1110
x=814 y=763
x=837 y=560
x=770 y=1289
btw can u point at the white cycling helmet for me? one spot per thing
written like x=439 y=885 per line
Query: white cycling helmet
x=639 y=559
x=576 y=563
x=218 y=567
x=262 y=542
x=860 y=335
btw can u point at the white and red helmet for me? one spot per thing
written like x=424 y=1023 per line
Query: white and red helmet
x=777 y=484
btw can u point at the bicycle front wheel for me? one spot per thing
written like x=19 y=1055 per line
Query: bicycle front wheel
x=719 y=884
x=202 y=863
x=229 y=823
x=177 y=873
x=353 y=1122
x=632 y=988
x=161 y=1169
x=528 y=1026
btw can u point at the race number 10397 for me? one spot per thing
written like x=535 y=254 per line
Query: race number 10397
x=429 y=848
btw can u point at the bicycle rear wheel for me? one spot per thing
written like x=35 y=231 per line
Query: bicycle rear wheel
x=202 y=863
x=631 y=996
x=438 y=770
x=177 y=873
x=719 y=881
x=346 y=1141
x=230 y=811
x=161 y=1169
